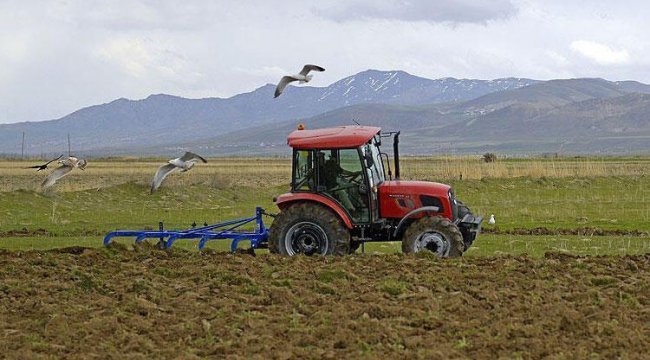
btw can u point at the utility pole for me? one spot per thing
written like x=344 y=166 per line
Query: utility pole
x=69 y=145
x=22 y=148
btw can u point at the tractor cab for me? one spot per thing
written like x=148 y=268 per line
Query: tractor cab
x=343 y=165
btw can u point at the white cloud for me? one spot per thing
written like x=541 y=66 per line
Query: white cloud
x=600 y=53
x=129 y=54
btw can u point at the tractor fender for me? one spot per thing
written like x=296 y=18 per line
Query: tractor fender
x=411 y=213
x=285 y=200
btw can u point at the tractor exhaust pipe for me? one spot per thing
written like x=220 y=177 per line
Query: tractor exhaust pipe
x=396 y=154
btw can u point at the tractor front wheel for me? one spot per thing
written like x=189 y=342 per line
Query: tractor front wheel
x=310 y=229
x=435 y=234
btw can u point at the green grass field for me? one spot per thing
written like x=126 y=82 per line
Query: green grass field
x=568 y=194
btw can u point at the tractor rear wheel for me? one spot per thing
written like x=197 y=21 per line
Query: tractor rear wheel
x=435 y=234
x=310 y=229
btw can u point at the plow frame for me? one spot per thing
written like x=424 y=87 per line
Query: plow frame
x=220 y=231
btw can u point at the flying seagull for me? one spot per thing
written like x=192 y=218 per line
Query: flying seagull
x=44 y=166
x=302 y=78
x=184 y=163
x=66 y=166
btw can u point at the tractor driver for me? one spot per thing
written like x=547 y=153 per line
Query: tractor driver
x=340 y=182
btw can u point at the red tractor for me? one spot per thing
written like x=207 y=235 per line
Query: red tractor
x=340 y=198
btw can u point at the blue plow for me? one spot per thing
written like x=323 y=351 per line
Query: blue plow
x=221 y=231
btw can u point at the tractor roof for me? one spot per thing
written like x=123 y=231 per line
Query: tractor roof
x=332 y=138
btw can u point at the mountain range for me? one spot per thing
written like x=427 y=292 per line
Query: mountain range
x=447 y=115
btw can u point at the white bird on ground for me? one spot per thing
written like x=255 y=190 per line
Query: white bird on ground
x=492 y=221
x=66 y=166
x=183 y=163
x=302 y=77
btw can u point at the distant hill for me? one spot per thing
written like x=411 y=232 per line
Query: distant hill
x=435 y=116
x=576 y=116
x=163 y=119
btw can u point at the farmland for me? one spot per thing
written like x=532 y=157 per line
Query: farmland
x=563 y=273
x=147 y=303
x=552 y=200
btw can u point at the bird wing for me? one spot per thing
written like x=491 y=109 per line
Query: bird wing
x=307 y=68
x=34 y=167
x=192 y=156
x=283 y=84
x=55 y=175
x=48 y=163
x=161 y=174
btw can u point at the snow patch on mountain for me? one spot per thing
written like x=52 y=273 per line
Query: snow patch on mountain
x=399 y=87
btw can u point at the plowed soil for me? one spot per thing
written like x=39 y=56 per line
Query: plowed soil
x=581 y=231
x=144 y=303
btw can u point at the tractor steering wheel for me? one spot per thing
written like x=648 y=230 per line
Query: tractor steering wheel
x=354 y=177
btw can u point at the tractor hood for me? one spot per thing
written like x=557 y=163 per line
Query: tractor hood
x=398 y=197
x=416 y=188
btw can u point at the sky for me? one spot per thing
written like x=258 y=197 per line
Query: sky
x=59 y=56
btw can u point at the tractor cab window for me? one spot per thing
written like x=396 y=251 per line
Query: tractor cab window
x=303 y=170
x=375 y=173
x=341 y=176
x=374 y=165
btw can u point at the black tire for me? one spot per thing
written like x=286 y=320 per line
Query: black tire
x=308 y=228
x=435 y=234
